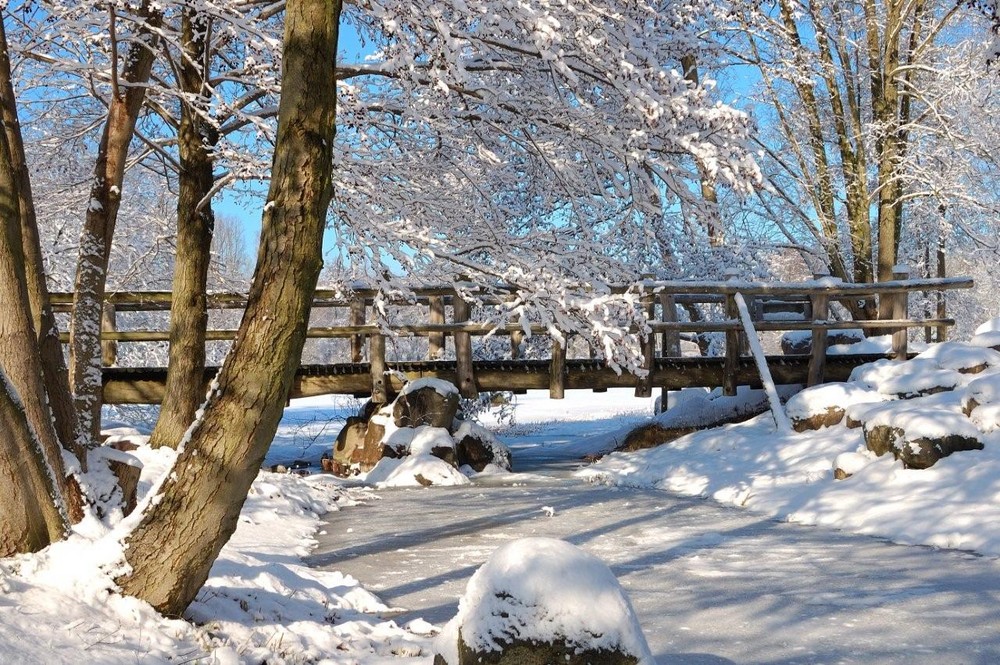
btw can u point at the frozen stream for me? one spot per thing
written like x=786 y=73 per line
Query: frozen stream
x=710 y=584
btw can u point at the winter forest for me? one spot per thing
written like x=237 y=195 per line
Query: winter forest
x=543 y=160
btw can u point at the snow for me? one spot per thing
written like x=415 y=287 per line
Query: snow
x=263 y=603
x=544 y=590
x=818 y=399
x=410 y=471
x=442 y=387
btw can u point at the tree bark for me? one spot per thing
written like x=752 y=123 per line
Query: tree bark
x=29 y=519
x=20 y=363
x=56 y=378
x=195 y=226
x=173 y=548
x=99 y=225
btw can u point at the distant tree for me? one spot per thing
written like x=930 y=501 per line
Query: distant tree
x=859 y=122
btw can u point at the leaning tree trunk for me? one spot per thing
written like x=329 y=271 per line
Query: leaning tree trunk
x=99 y=226
x=53 y=365
x=184 y=391
x=20 y=363
x=29 y=519
x=173 y=548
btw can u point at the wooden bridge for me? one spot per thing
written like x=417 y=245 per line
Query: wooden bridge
x=479 y=364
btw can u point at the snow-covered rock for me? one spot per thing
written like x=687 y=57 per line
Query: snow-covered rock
x=919 y=436
x=542 y=600
x=963 y=358
x=431 y=402
x=825 y=405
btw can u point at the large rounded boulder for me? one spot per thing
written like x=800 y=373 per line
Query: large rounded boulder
x=538 y=601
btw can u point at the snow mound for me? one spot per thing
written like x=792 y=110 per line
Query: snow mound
x=991 y=326
x=906 y=379
x=819 y=399
x=544 y=590
x=421 y=470
x=442 y=387
x=959 y=356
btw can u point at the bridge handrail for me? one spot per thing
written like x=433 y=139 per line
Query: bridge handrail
x=499 y=294
x=788 y=306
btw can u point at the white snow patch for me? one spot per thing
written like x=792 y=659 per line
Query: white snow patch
x=544 y=590
x=442 y=387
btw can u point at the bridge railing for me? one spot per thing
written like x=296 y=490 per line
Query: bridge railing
x=658 y=328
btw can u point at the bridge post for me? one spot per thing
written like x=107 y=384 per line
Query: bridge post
x=557 y=370
x=435 y=341
x=670 y=344
x=900 y=310
x=733 y=345
x=516 y=339
x=820 y=303
x=109 y=323
x=644 y=384
x=461 y=311
x=380 y=379
x=357 y=318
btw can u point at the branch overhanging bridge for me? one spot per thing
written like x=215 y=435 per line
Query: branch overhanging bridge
x=478 y=339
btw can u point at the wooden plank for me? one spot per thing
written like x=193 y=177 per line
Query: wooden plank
x=435 y=340
x=461 y=311
x=356 y=317
x=670 y=343
x=557 y=371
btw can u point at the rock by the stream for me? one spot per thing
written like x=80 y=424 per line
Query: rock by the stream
x=920 y=437
x=424 y=411
x=426 y=402
x=540 y=601
x=825 y=405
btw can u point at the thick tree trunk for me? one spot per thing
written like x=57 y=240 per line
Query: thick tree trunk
x=173 y=548
x=99 y=228
x=195 y=224
x=53 y=368
x=20 y=362
x=29 y=520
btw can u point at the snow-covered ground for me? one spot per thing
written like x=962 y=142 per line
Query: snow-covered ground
x=262 y=603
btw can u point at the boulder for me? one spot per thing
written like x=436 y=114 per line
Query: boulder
x=539 y=601
x=426 y=402
x=961 y=357
x=350 y=439
x=477 y=448
x=826 y=405
x=919 y=437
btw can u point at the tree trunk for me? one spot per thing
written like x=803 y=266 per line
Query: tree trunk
x=56 y=378
x=20 y=362
x=29 y=520
x=173 y=548
x=183 y=393
x=99 y=225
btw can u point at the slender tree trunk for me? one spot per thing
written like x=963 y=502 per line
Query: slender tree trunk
x=99 y=225
x=173 y=548
x=195 y=224
x=713 y=225
x=54 y=371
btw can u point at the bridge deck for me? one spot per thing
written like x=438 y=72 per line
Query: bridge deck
x=144 y=385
